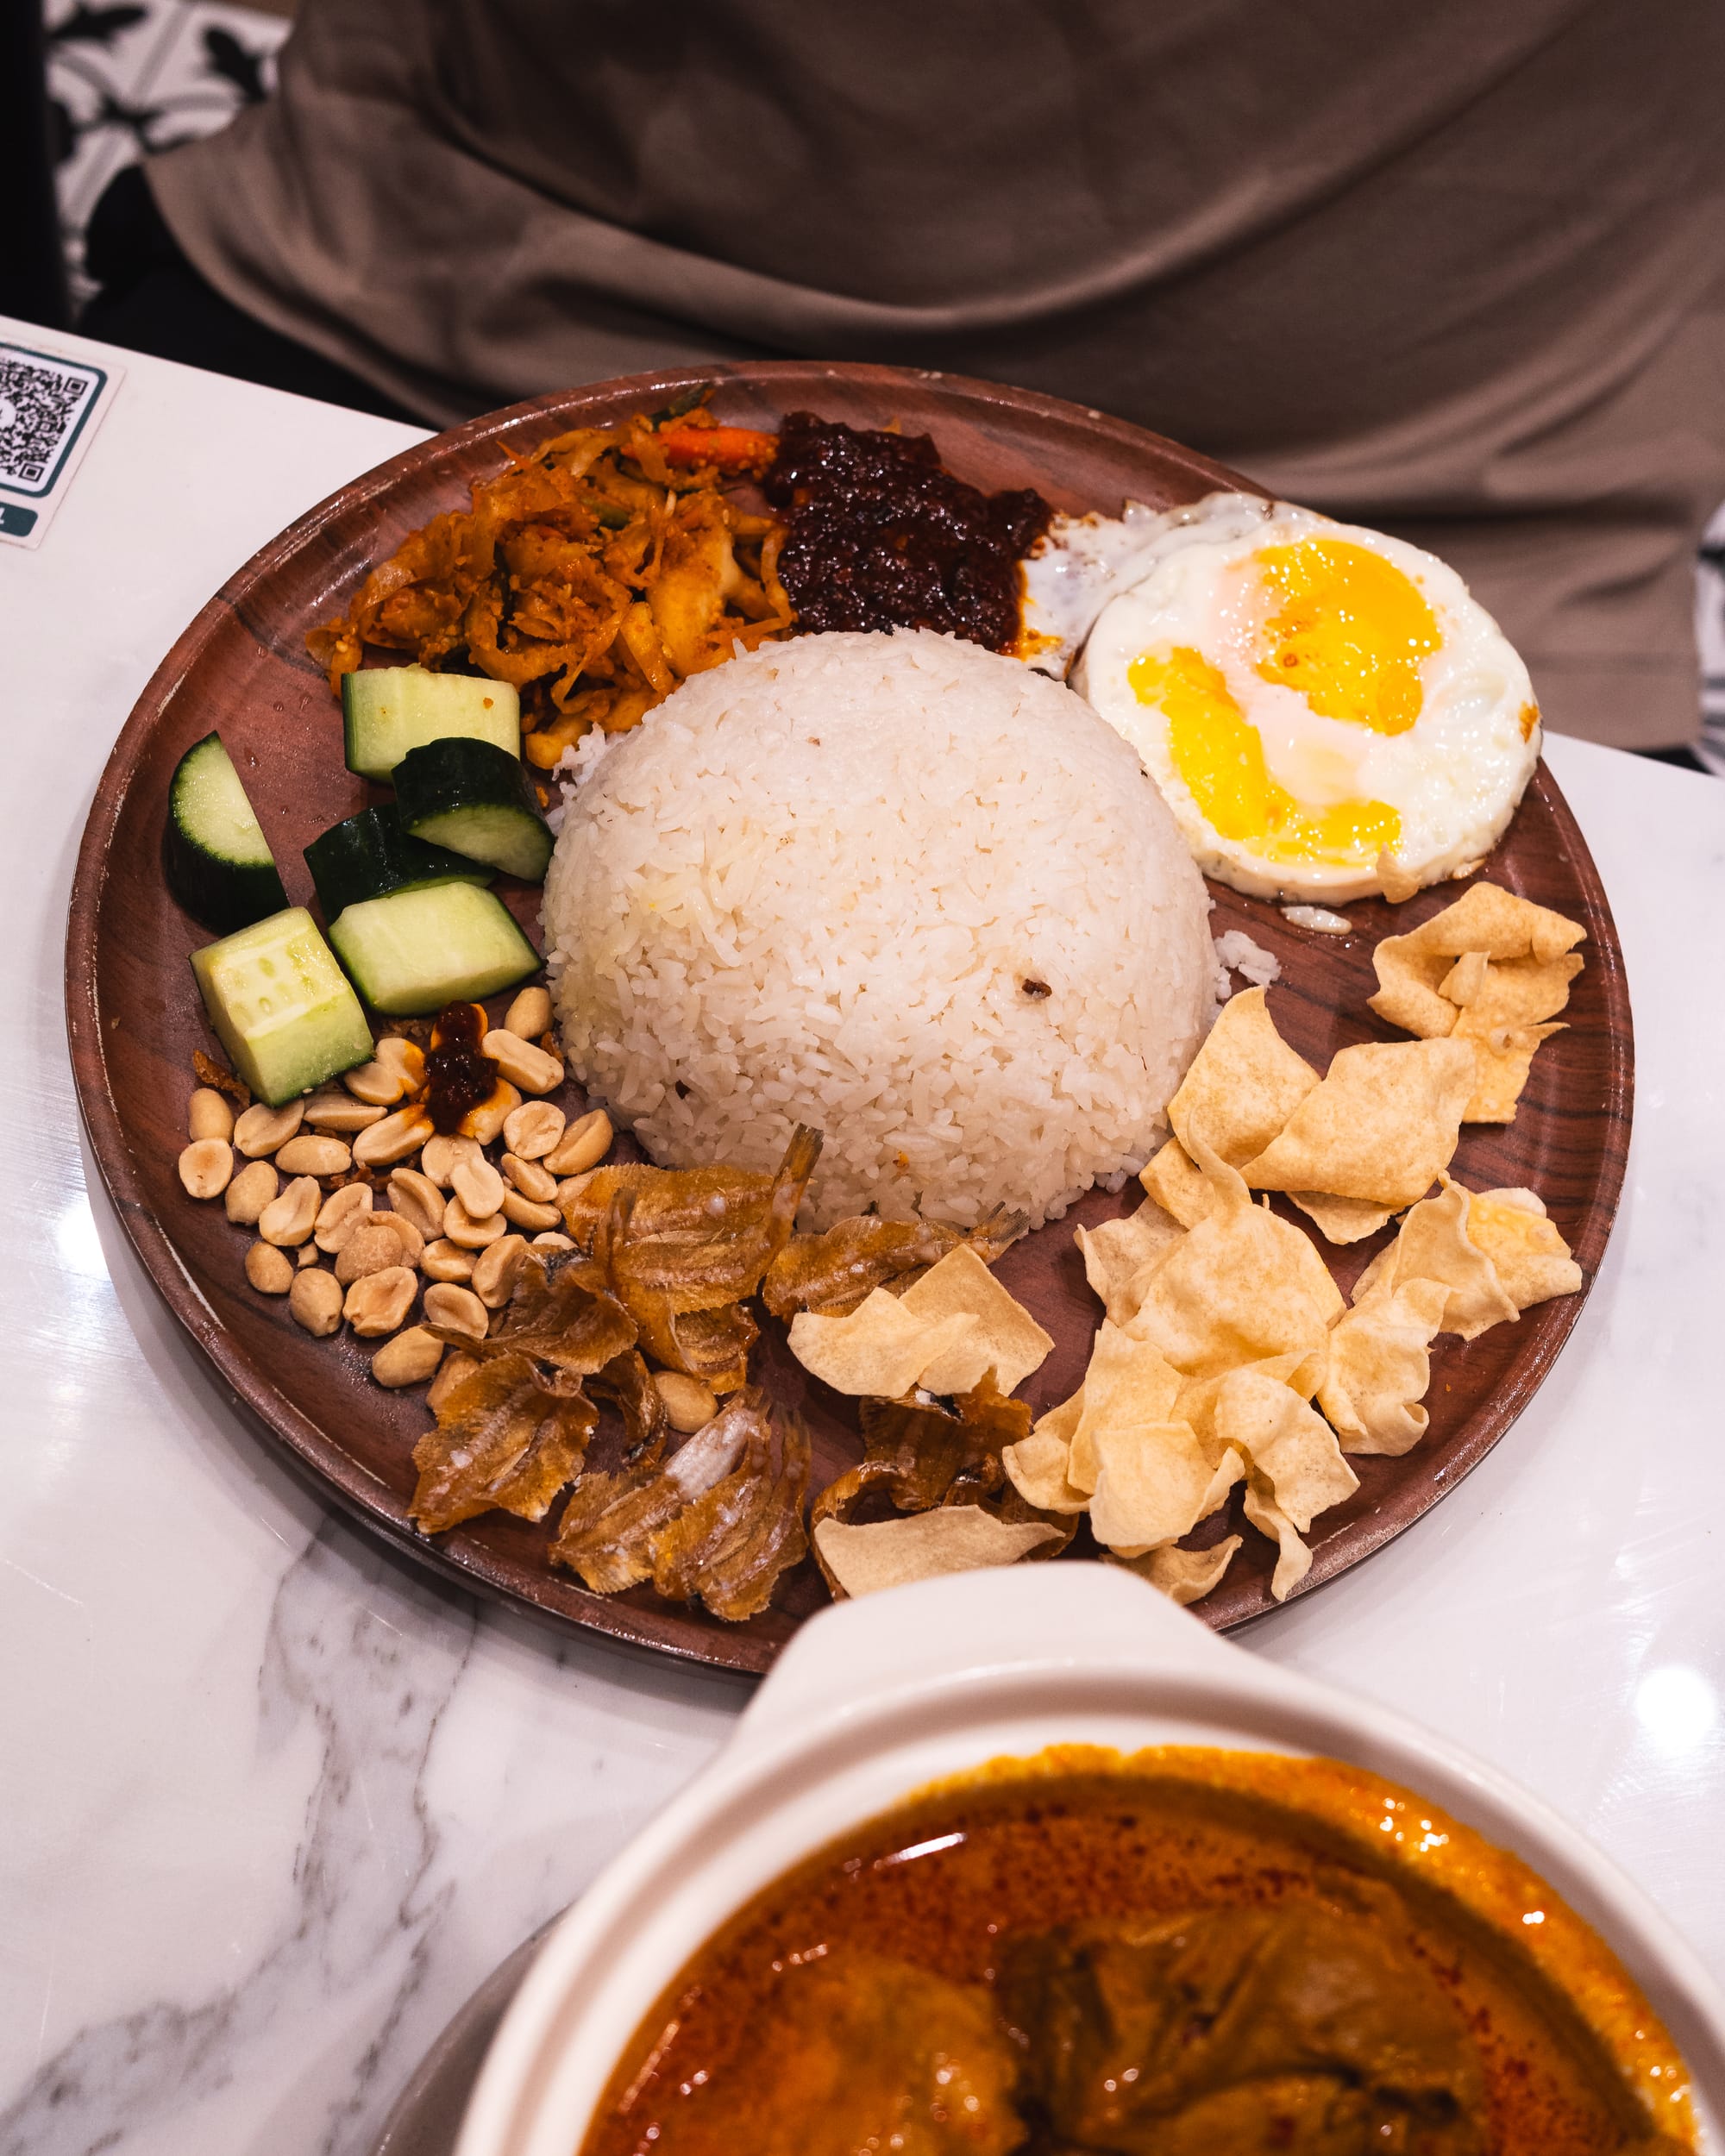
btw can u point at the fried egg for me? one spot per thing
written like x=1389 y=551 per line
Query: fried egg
x=1327 y=711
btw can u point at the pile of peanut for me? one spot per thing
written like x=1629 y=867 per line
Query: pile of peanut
x=311 y=1173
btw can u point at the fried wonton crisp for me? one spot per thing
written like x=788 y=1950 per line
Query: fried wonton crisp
x=1491 y=969
x=1486 y=921
x=1117 y=1251
x=1178 y=1185
x=1290 y=1448
x=1342 y=1220
x=1128 y=1384
x=1531 y=1259
x=1434 y=1244
x=1244 y=1084
x=1380 y=1366
x=1037 y=1465
x=955 y=1327
x=1379 y=1128
x=1184 y=1575
x=868 y=1555
x=1154 y=1483
x=881 y=1349
x=1241 y=1286
x=1007 y=1336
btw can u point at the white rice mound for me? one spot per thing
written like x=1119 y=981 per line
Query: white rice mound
x=811 y=885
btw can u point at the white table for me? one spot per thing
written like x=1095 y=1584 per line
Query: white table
x=271 y=1803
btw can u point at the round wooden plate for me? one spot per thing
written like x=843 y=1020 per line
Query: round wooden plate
x=135 y=1017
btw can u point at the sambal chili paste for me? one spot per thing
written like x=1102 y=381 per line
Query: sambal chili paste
x=881 y=536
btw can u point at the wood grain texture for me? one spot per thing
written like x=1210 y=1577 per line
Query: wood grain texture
x=134 y=1017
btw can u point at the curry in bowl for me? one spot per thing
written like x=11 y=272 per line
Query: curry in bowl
x=1186 y=1953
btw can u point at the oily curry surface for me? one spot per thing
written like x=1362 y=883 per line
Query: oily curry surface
x=1184 y=1953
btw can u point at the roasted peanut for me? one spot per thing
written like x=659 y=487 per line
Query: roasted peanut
x=444 y=1259
x=408 y=1359
x=494 y=1270
x=459 y=1226
x=573 y=1185
x=392 y=1139
x=402 y=1056
x=259 y=1129
x=340 y=1112
x=371 y=1248
x=688 y=1404
x=533 y=1130
x=521 y=1213
x=250 y=1191
x=478 y=1185
x=269 y=1270
x=584 y=1146
x=314 y=1301
x=551 y=1242
x=483 y=1123
x=437 y=1161
x=375 y=1084
x=291 y=1218
x=530 y=1015
x=340 y=1213
x=209 y=1115
x=530 y=1179
x=521 y=1063
x=459 y=1308
x=308 y=1255
x=206 y=1166
x=379 y=1301
x=411 y=1241
x=314 y=1157
x=418 y=1199
x=456 y=1371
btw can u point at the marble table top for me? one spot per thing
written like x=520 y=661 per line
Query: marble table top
x=272 y=1802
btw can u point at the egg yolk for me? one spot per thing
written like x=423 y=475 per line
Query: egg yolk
x=1218 y=753
x=1349 y=632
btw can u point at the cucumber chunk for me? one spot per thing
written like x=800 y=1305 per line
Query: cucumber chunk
x=472 y=798
x=369 y=854
x=413 y=951
x=386 y=711
x=281 y=1005
x=218 y=861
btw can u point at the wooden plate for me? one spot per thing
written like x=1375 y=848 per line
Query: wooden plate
x=134 y=1017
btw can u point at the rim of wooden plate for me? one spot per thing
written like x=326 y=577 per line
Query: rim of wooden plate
x=670 y=1629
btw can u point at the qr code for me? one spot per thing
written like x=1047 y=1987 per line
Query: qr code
x=41 y=402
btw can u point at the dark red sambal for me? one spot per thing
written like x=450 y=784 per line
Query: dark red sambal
x=882 y=536
x=458 y=1079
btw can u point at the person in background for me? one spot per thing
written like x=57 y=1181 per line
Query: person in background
x=1454 y=270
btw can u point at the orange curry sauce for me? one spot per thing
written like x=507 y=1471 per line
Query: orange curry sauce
x=1574 y=2059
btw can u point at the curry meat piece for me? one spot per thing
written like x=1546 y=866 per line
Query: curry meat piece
x=1230 y=2030
x=866 y=2053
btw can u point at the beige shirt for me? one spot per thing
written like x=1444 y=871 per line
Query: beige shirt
x=1453 y=269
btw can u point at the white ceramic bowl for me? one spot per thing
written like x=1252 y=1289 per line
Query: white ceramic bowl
x=876 y=1698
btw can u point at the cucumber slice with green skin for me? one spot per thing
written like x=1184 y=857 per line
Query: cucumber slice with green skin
x=281 y=1006
x=219 y=863
x=475 y=799
x=386 y=711
x=413 y=951
x=369 y=854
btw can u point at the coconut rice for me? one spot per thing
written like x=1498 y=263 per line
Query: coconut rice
x=893 y=885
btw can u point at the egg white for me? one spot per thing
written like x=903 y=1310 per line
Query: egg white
x=1455 y=776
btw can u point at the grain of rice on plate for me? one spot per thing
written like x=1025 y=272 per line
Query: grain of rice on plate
x=894 y=886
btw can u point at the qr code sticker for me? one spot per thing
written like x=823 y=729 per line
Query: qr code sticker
x=42 y=402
